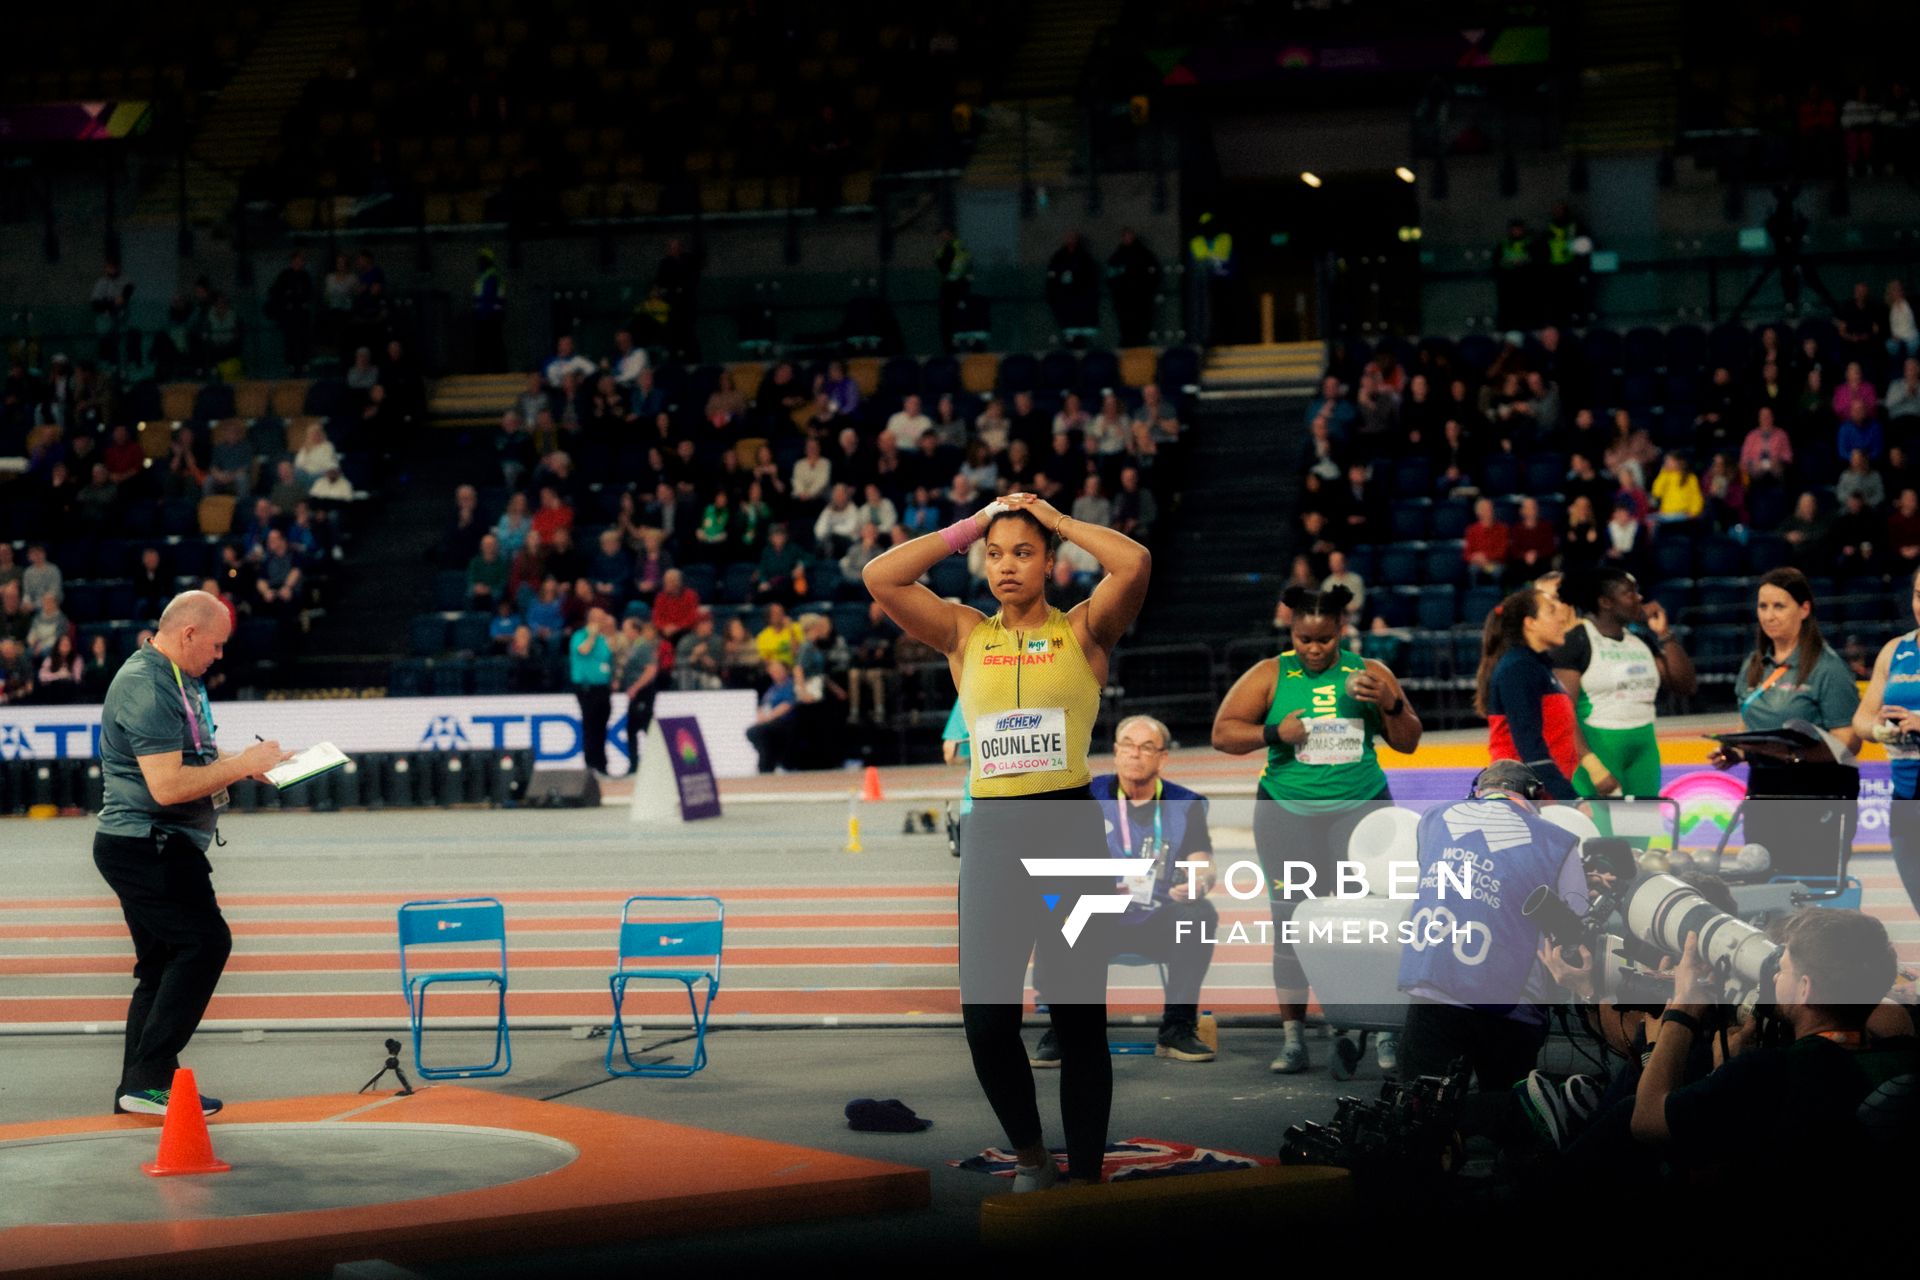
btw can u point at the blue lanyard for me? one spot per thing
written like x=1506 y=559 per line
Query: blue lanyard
x=1126 y=830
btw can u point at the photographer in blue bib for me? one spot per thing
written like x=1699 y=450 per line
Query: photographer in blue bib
x=165 y=782
x=1149 y=818
x=1475 y=984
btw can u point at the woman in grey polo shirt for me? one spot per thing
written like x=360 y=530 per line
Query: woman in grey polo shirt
x=1794 y=674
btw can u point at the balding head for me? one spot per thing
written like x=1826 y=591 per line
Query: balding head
x=194 y=629
x=191 y=609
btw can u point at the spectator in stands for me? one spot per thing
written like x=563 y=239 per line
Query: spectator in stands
x=94 y=505
x=781 y=396
x=1714 y=425
x=1093 y=505
x=42 y=577
x=280 y=584
x=111 y=301
x=1108 y=432
x=1725 y=493
x=223 y=331
x=1377 y=411
x=780 y=639
x=315 y=458
x=1456 y=460
x=1333 y=403
x=1770 y=391
x=862 y=553
x=526 y=670
x=565 y=561
x=152 y=587
x=1626 y=539
x=1072 y=418
x=1813 y=410
x=48 y=625
x=841 y=391
x=553 y=514
x=1323 y=452
x=9 y=570
x=61 y=671
x=547 y=613
x=289 y=305
x=713 y=538
x=534 y=399
x=697 y=658
x=97 y=672
x=650 y=563
x=1861 y=431
x=461 y=540
x=837 y=524
x=812 y=474
x=993 y=429
x=1487 y=544
x=1676 y=490
x=1903 y=335
x=1861 y=479
x=1861 y=323
x=1856 y=536
x=949 y=426
x=1898 y=471
x=236 y=573
x=230 y=466
x=1583 y=481
x=1133 y=276
x=676 y=608
x=1134 y=509
x=1027 y=425
x=628 y=361
x=887 y=467
x=337 y=292
x=1903 y=533
x=906 y=425
x=506 y=620
x=16 y=615
x=16 y=671
x=1631 y=452
x=1357 y=507
x=306 y=536
x=124 y=457
x=487 y=574
x=1806 y=532
x=1531 y=544
x=1073 y=288
x=1767 y=453
x=565 y=360
x=726 y=406
x=1585 y=544
x=1340 y=574
x=287 y=488
x=1854 y=389
x=1903 y=394
x=877 y=509
x=772 y=733
x=667 y=513
x=363 y=375
x=1143 y=455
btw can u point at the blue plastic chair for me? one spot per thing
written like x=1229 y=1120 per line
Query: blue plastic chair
x=464 y=923
x=653 y=937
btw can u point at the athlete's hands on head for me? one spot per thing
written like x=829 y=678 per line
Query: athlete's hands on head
x=1045 y=512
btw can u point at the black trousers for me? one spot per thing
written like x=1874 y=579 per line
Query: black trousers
x=639 y=720
x=1158 y=937
x=596 y=708
x=1499 y=1051
x=180 y=946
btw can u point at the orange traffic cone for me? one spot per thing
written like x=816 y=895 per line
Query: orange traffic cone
x=185 y=1145
x=870 y=788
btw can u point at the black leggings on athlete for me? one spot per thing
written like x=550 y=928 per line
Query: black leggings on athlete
x=1004 y=918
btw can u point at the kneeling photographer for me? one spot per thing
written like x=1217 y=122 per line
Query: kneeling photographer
x=1792 y=1109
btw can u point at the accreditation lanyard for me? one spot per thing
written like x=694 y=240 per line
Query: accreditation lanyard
x=1126 y=829
x=193 y=721
x=1771 y=680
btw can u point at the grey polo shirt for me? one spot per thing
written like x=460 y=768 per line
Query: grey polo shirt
x=146 y=714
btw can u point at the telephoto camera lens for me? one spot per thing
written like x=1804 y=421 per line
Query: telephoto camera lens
x=1662 y=910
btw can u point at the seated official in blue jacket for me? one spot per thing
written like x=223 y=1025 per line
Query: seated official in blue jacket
x=1148 y=817
x=1477 y=990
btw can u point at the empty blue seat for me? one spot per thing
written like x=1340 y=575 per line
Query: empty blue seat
x=1401 y=562
x=1720 y=558
x=1477 y=602
x=1018 y=372
x=1445 y=564
x=1410 y=520
x=469 y=633
x=1500 y=474
x=1400 y=606
x=427 y=634
x=1179 y=369
x=1604 y=349
x=1412 y=478
x=450 y=590
x=1645 y=350
x=664 y=929
x=1686 y=348
x=702 y=578
x=1451 y=516
x=490 y=674
x=940 y=376
x=948 y=578
x=450 y=677
x=430 y=928
x=1436 y=607
x=1060 y=371
x=1544 y=473
x=1672 y=558
x=1099 y=373
x=407 y=678
x=737 y=585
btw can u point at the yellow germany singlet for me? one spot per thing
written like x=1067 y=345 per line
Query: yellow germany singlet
x=1030 y=700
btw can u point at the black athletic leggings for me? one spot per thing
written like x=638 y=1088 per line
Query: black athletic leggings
x=1004 y=917
x=1319 y=839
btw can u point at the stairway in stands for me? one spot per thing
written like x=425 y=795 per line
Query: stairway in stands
x=473 y=399
x=1628 y=95
x=1043 y=77
x=243 y=127
x=390 y=576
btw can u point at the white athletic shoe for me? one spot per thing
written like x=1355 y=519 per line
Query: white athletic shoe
x=1035 y=1177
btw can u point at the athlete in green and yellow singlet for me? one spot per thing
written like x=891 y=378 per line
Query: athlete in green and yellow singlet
x=1317 y=710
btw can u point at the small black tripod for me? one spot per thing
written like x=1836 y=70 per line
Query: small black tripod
x=393 y=1065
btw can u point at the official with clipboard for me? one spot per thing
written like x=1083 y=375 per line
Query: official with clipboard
x=165 y=781
x=1797 y=700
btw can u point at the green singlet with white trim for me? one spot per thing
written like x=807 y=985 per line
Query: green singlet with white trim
x=1336 y=768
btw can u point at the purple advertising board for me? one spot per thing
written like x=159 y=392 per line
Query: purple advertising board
x=692 y=771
